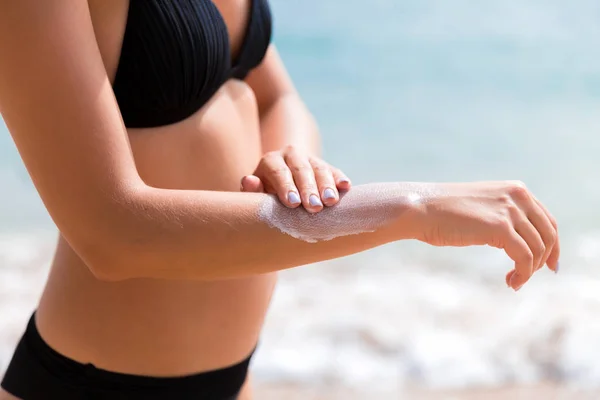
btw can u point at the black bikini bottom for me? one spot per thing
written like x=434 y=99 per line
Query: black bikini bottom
x=38 y=372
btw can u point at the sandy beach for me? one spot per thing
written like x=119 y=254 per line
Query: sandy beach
x=541 y=392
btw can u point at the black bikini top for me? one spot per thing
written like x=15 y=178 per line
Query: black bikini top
x=176 y=54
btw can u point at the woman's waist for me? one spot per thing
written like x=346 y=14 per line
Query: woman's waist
x=152 y=327
x=63 y=376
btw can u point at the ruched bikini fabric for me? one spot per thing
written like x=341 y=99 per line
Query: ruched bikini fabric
x=176 y=54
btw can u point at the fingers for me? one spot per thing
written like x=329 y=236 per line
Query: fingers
x=542 y=221
x=325 y=181
x=518 y=250
x=533 y=238
x=547 y=232
x=277 y=178
x=533 y=241
x=554 y=256
x=298 y=179
x=304 y=177
x=342 y=181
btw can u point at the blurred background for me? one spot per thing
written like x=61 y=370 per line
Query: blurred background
x=415 y=90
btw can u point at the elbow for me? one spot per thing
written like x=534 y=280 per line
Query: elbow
x=105 y=240
x=108 y=269
x=106 y=259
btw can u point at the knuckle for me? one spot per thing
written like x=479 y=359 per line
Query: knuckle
x=541 y=249
x=301 y=168
x=309 y=188
x=518 y=190
x=320 y=167
x=269 y=160
x=502 y=224
x=270 y=156
x=512 y=209
x=506 y=200
x=278 y=171
x=291 y=151
x=526 y=256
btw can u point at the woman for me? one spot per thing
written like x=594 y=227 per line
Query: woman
x=136 y=121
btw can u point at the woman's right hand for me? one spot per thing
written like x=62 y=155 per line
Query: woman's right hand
x=503 y=214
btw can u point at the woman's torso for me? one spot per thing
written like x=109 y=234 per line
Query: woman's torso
x=154 y=327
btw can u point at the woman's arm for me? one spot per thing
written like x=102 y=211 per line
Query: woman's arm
x=284 y=118
x=59 y=107
x=58 y=104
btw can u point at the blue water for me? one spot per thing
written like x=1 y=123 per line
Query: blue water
x=436 y=90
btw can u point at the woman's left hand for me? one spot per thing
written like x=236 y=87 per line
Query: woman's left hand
x=297 y=178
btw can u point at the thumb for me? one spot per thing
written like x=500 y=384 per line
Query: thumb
x=252 y=184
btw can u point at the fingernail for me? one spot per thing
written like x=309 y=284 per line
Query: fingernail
x=328 y=194
x=344 y=180
x=293 y=198
x=557 y=267
x=314 y=201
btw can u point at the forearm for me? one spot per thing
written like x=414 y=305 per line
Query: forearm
x=287 y=121
x=207 y=235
